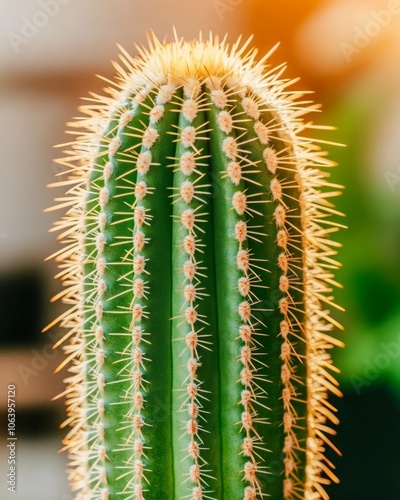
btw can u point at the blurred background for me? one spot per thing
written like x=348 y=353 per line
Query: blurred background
x=348 y=53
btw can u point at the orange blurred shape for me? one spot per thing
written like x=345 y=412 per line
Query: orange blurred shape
x=275 y=21
x=327 y=42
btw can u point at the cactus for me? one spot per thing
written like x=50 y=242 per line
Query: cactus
x=198 y=267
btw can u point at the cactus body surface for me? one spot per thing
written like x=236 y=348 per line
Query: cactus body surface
x=198 y=267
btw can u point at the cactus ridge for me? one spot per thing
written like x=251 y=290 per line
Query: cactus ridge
x=198 y=268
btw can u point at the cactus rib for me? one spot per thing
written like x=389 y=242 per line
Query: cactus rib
x=198 y=268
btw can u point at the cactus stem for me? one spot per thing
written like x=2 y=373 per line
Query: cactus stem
x=198 y=267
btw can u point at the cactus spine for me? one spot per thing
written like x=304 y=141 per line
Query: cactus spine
x=198 y=267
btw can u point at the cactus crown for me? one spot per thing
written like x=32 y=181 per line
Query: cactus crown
x=198 y=268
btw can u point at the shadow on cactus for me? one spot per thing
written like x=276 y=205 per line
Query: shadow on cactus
x=198 y=268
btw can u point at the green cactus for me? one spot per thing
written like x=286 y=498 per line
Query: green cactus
x=198 y=268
